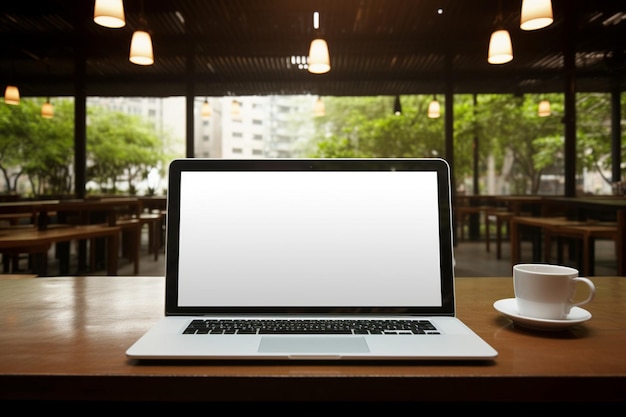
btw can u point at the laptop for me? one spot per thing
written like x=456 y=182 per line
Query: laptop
x=309 y=259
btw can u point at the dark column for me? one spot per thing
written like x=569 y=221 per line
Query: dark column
x=191 y=93
x=80 y=134
x=616 y=133
x=476 y=149
x=449 y=142
x=570 y=100
x=80 y=113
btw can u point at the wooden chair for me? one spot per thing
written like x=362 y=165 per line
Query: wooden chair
x=468 y=209
x=500 y=218
x=537 y=229
x=133 y=225
x=586 y=235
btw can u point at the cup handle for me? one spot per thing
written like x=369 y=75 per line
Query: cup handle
x=590 y=296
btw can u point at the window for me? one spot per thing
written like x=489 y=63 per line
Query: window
x=237 y=150
x=237 y=135
x=257 y=137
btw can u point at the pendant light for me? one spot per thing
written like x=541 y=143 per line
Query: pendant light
x=141 y=48
x=47 y=111
x=500 y=47
x=397 y=106
x=434 y=109
x=206 y=108
x=141 y=44
x=319 y=109
x=319 y=57
x=544 y=108
x=109 y=13
x=12 y=95
x=536 y=14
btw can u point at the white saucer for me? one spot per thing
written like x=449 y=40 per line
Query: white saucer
x=508 y=308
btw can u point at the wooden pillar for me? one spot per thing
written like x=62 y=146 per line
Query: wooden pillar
x=569 y=118
x=616 y=133
x=80 y=111
x=190 y=98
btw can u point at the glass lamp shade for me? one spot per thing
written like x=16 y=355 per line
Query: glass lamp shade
x=536 y=14
x=47 y=111
x=544 y=108
x=141 y=48
x=206 y=109
x=319 y=109
x=500 y=48
x=434 y=110
x=109 y=13
x=12 y=95
x=319 y=58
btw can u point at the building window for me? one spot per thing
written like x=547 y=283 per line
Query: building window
x=237 y=135
x=257 y=137
x=237 y=150
x=257 y=152
x=205 y=138
x=257 y=122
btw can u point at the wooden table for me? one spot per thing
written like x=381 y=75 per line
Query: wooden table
x=521 y=203
x=76 y=212
x=105 y=209
x=467 y=210
x=38 y=242
x=587 y=207
x=539 y=238
x=64 y=339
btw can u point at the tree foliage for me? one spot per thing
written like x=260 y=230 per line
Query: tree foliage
x=120 y=147
x=36 y=149
x=37 y=154
x=520 y=147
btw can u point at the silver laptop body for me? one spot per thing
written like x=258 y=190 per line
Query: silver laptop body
x=309 y=259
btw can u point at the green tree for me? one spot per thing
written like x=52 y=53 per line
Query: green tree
x=39 y=152
x=367 y=127
x=36 y=148
x=14 y=143
x=521 y=146
x=120 y=147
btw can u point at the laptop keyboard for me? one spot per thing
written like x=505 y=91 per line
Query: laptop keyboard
x=381 y=327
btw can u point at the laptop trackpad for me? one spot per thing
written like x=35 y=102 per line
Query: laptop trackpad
x=316 y=344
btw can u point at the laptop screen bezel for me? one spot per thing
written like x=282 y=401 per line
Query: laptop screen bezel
x=438 y=165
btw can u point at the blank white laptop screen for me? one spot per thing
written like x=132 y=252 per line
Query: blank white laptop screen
x=304 y=238
x=306 y=259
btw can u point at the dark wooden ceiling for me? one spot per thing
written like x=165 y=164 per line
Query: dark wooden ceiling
x=243 y=47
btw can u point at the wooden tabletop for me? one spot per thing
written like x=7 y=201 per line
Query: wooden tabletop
x=64 y=338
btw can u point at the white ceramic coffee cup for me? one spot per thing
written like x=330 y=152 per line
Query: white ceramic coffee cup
x=546 y=291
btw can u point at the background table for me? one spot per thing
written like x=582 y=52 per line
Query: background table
x=64 y=339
